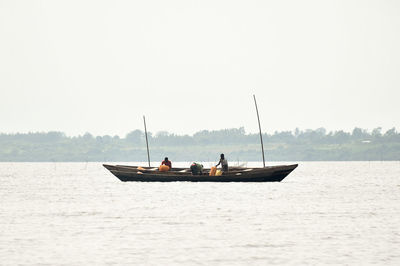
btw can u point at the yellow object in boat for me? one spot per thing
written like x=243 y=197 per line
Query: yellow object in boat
x=213 y=170
x=163 y=168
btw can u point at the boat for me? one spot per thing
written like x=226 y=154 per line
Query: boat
x=235 y=174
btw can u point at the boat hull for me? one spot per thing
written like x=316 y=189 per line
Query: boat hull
x=267 y=174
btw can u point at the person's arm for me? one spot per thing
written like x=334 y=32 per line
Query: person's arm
x=218 y=163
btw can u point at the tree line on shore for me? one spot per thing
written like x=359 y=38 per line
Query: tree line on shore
x=296 y=145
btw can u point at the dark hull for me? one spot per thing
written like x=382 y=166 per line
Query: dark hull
x=146 y=174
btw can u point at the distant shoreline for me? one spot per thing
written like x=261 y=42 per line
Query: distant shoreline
x=308 y=145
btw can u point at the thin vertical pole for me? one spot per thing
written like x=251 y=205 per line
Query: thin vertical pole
x=259 y=126
x=147 y=142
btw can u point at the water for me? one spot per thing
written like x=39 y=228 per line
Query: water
x=78 y=213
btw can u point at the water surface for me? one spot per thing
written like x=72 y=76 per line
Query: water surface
x=79 y=213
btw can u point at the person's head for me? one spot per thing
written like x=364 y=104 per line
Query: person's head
x=166 y=159
x=222 y=156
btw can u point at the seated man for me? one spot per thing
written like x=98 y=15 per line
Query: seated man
x=167 y=163
x=196 y=169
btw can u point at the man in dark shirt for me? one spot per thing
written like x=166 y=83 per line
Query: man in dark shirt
x=196 y=168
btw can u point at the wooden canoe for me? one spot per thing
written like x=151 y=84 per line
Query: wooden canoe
x=235 y=174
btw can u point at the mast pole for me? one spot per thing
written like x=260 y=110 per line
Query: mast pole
x=147 y=143
x=259 y=126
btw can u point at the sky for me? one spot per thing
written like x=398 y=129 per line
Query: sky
x=99 y=66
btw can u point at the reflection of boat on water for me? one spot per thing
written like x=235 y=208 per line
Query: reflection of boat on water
x=235 y=174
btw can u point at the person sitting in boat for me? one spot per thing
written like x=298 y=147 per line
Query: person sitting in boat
x=167 y=162
x=223 y=162
x=196 y=168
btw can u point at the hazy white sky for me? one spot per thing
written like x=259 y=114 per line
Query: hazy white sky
x=99 y=66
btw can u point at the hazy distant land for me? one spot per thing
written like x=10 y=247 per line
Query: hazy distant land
x=297 y=145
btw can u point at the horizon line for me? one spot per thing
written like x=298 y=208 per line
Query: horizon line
x=367 y=130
